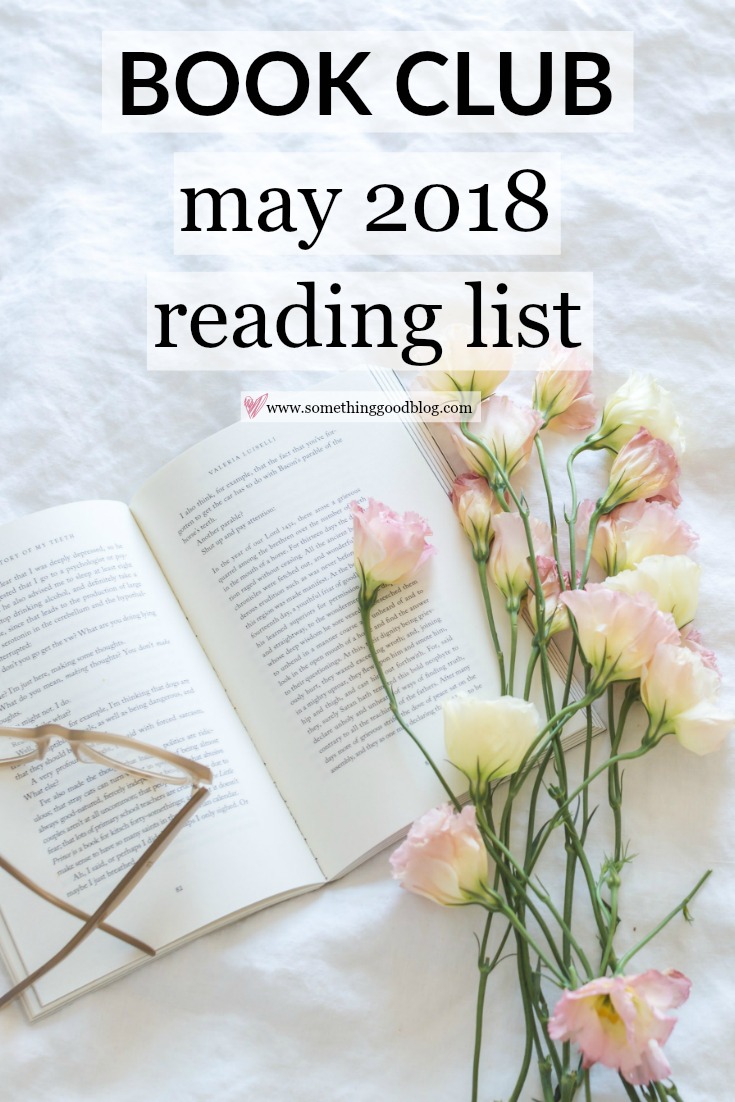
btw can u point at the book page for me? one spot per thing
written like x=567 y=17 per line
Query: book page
x=253 y=530
x=91 y=637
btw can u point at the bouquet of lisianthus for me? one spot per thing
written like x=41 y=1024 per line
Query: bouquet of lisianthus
x=631 y=637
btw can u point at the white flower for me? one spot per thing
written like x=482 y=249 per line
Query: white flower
x=466 y=369
x=488 y=739
x=672 y=581
x=639 y=403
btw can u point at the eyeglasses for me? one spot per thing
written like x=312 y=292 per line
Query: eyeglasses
x=20 y=745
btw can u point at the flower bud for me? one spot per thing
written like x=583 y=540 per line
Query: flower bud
x=643 y=468
x=510 y=563
x=475 y=505
x=556 y=616
x=562 y=393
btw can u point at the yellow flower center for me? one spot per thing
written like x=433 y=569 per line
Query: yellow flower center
x=610 y=1020
x=605 y=1009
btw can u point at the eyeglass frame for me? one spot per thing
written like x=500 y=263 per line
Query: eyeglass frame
x=198 y=775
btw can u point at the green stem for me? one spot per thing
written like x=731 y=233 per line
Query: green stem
x=533 y=659
x=630 y=756
x=498 y=902
x=534 y=1005
x=555 y=724
x=550 y=500
x=365 y=610
x=587 y=756
x=612 y=922
x=518 y=779
x=572 y=520
x=522 y=511
x=594 y=521
x=521 y=899
x=547 y=681
x=503 y=941
x=587 y=1087
x=629 y=1090
x=528 y=1015
x=581 y=855
x=513 y=612
x=589 y=878
x=571 y=850
x=530 y=1008
x=521 y=960
x=614 y=791
x=571 y=868
x=484 y=975
x=528 y=1047
x=518 y=872
x=531 y=825
x=573 y=840
x=664 y=922
x=516 y=876
x=482 y=571
x=570 y=671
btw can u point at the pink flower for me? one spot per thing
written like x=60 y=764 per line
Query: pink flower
x=618 y=632
x=389 y=548
x=692 y=639
x=633 y=532
x=562 y=393
x=679 y=692
x=510 y=563
x=643 y=468
x=555 y=614
x=507 y=430
x=475 y=505
x=622 y=1022
x=443 y=858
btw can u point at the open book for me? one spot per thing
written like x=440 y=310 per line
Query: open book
x=217 y=616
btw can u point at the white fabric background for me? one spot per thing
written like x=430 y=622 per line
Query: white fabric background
x=360 y=992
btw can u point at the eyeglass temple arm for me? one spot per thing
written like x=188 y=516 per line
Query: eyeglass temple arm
x=116 y=896
x=71 y=909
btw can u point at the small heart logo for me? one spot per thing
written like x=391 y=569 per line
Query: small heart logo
x=253 y=406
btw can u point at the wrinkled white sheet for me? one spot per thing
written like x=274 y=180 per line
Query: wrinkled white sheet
x=359 y=992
